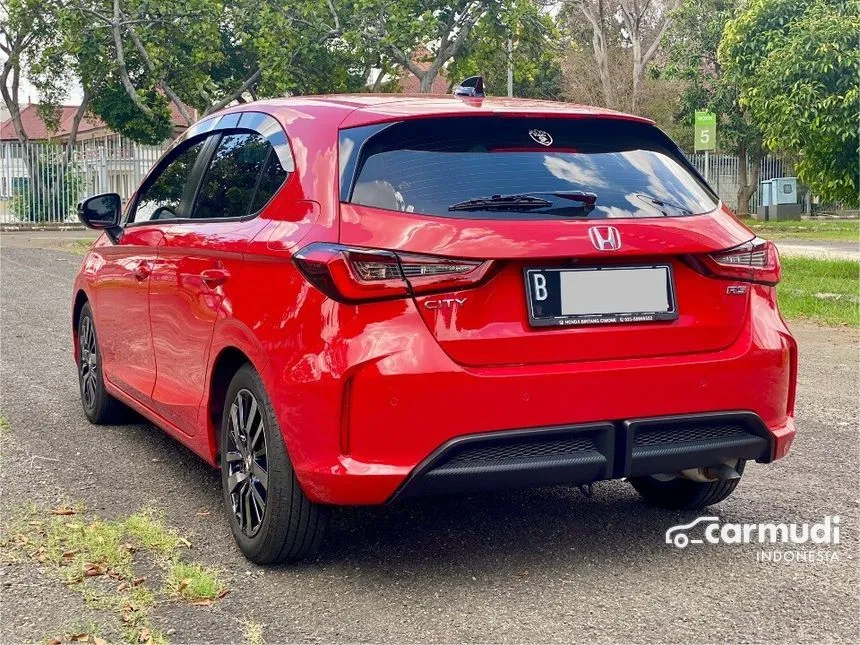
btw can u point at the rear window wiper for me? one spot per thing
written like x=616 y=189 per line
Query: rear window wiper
x=501 y=202
x=523 y=201
x=662 y=205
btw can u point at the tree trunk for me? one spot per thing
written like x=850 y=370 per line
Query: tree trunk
x=427 y=78
x=747 y=182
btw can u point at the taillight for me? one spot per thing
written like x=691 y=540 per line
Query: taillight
x=354 y=274
x=753 y=261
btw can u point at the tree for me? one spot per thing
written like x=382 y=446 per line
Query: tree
x=137 y=57
x=796 y=62
x=535 y=51
x=634 y=25
x=28 y=29
x=691 y=52
x=397 y=28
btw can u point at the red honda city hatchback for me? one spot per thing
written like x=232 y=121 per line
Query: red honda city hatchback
x=358 y=299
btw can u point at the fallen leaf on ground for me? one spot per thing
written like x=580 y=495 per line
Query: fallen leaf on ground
x=185 y=542
x=122 y=586
x=63 y=511
x=203 y=603
x=223 y=593
x=80 y=638
x=94 y=570
x=138 y=581
x=54 y=641
x=72 y=552
x=145 y=635
x=183 y=585
x=99 y=641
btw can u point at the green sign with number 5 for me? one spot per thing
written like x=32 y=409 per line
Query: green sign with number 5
x=705 y=131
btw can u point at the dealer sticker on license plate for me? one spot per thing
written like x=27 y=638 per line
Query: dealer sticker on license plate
x=600 y=295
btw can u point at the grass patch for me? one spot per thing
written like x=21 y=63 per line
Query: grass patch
x=192 y=582
x=826 y=291
x=79 y=247
x=844 y=230
x=5 y=428
x=98 y=558
x=77 y=633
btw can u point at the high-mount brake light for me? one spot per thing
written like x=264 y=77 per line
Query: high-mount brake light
x=353 y=274
x=754 y=261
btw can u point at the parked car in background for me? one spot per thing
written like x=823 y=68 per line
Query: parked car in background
x=358 y=299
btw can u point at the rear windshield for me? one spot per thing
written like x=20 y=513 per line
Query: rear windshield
x=429 y=165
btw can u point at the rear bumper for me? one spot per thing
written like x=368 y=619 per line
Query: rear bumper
x=386 y=423
x=587 y=453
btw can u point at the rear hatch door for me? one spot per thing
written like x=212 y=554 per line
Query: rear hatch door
x=569 y=280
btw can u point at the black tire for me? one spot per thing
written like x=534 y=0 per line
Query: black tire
x=290 y=526
x=685 y=494
x=99 y=406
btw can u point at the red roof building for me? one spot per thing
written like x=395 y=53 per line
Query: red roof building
x=90 y=127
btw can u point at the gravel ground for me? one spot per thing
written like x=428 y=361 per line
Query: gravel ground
x=822 y=250
x=530 y=566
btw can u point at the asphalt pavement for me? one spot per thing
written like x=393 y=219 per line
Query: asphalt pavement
x=544 y=565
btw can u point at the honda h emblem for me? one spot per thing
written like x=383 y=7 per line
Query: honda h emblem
x=605 y=238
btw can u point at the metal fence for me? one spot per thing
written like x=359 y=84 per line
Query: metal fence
x=42 y=183
x=722 y=173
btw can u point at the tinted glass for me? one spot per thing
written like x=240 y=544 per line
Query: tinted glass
x=228 y=186
x=426 y=166
x=272 y=178
x=160 y=199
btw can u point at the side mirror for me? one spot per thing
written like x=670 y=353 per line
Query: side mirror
x=101 y=212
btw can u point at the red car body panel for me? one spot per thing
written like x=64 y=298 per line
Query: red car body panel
x=365 y=392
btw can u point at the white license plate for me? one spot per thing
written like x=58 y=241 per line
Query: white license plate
x=600 y=295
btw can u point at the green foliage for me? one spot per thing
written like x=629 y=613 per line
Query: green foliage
x=113 y=105
x=796 y=63
x=535 y=52
x=691 y=49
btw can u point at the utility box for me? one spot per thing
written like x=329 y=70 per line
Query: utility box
x=784 y=190
x=779 y=199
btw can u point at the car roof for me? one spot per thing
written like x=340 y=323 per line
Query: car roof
x=366 y=109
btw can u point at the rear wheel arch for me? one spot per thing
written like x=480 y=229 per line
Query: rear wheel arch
x=229 y=360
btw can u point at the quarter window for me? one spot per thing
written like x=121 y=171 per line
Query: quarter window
x=271 y=179
x=230 y=182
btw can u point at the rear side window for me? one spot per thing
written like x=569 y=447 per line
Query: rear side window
x=428 y=165
x=161 y=197
x=230 y=182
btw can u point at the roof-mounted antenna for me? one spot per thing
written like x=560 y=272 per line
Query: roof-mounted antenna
x=471 y=87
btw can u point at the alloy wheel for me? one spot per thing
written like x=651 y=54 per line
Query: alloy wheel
x=247 y=464
x=89 y=362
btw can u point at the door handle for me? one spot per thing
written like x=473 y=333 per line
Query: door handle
x=214 y=277
x=142 y=271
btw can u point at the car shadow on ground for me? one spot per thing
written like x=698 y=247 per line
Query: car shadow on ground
x=511 y=529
